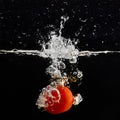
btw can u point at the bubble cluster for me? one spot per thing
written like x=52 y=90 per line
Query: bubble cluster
x=48 y=91
x=59 y=48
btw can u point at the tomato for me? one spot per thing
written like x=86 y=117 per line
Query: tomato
x=61 y=101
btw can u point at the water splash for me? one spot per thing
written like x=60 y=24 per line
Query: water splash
x=46 y=55
x=57 y=49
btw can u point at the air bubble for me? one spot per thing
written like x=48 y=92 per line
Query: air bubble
x=73 y=60
x=79 y=74
x=77 y=99
x=61 y=65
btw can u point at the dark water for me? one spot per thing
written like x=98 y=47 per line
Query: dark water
x=23 y=77
x=24 y=22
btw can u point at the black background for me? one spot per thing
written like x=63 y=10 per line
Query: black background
x=24 y=22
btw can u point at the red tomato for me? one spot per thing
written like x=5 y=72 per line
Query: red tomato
x=65 y=101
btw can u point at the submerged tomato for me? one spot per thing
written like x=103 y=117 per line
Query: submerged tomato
x=65 y=101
